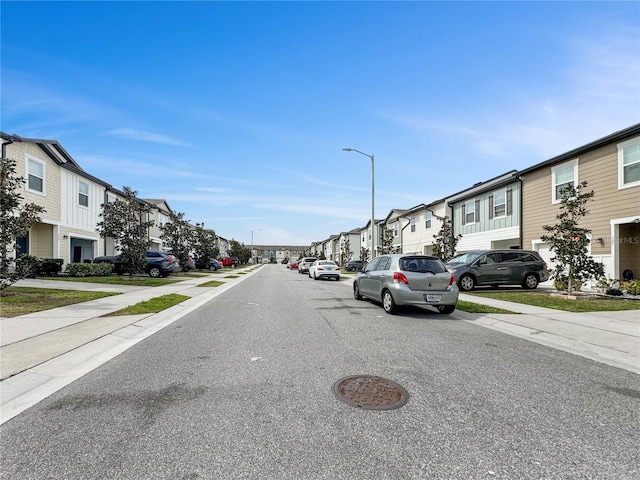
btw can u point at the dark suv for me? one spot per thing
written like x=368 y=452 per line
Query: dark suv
x=159 y=264
x=498 y=267
x=354 y=266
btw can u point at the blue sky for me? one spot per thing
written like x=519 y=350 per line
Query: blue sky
x=236 y=113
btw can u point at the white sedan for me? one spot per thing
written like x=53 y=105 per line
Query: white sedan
x=324 y=269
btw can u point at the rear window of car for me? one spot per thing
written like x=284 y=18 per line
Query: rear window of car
x=422 y=265
x=310 y=260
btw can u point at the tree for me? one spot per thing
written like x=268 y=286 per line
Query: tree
x=179 y=236
x=238 y=250
x=346 y=252
x=569 y=243
x=16 y=219
x=387 y=241
x=204 y=246
x=364 y=254
x=445 y=243
x=126 y=221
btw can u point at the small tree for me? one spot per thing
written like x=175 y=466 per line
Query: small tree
x=364 y=254
x=179 y=236
x=16 y=219
x=346 y=252
x=126 y=221
x=445 y=243
x=238 y=250
x=387 y=241
x=204 y=246
x=569 y=243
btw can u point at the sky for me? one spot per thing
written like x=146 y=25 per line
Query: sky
x=237 y=113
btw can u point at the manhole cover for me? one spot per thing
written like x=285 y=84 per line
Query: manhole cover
x=370 y=393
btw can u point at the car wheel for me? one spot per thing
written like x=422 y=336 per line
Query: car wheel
x=530 y=281
x=154 y=272
x=356 y=292
x=446 y=309
x=314 y=276
x=388 y=303
x=466 y=283
x=309 y=273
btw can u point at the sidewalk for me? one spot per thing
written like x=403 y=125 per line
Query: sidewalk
x=45 y=351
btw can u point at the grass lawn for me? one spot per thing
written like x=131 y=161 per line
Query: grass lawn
x=153 y=305
x=118 y=280
x=543 y=299
x=212 y=283
x=16 y=301
x=471 y=307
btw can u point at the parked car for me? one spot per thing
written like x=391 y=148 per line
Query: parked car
x=229 y=261
x=215 y=265
x=305 y=263
x=293 y=265
x=354 y=265
x=399 y=279
x=284 y=261
x=324 y=269
x=159 y=264
x=498 y=267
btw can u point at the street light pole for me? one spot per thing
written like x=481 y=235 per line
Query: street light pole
x=373 y=237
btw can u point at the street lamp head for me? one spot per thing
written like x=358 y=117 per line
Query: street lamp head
x=347 y=149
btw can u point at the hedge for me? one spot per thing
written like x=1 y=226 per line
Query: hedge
x=89 y=269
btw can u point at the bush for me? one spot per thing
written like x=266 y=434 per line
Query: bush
x=50 y=266
x=89 y=269
x=633 y=287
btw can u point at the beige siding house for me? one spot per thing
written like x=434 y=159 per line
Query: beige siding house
x=611 y=166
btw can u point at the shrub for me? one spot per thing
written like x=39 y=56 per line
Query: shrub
x=50 y=266
x=89 y=269
x=633 y=287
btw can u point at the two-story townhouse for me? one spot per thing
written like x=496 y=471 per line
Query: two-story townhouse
x=487 y=215
x=392 y=223
x=418 y=226
x=160 y=215
x=71 y=198
x=349 y=245
x=611 y=168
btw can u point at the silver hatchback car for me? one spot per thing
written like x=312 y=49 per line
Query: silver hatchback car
x=400 y=279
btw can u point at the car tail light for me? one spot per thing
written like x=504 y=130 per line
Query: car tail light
x=452 y=280
x=399 y=277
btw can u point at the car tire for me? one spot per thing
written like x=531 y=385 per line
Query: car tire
x=314 y=276
x=466 y=282
x=155 y=272
x=446 y=309
x=356 y=292
x=388 y=303
x=309 y=273
x=530 y=281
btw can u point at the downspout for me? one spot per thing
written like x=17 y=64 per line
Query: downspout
x=520 y=213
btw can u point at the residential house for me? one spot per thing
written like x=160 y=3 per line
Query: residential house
x=419 y=224
x=160 y=215
x=71 y=197
x=487 y=215
x=392 y=222
x=611 y=168
x=349 y=245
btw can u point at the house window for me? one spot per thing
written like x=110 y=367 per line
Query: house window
x=412 y=222
x=471 y=212
x=563 y=176
x=629 y=164
x=394 y=228
x=83 y=194
x=427 y=220
x=498 y=204
x=35 y=175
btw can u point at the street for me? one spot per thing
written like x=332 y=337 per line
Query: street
x=243 y=388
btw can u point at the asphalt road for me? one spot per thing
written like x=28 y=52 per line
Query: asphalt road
x=242 y=388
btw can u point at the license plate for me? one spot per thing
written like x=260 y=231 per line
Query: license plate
x=433 y=298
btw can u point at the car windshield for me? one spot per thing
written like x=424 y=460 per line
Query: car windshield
x=465 y=257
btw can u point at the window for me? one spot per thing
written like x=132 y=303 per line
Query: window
x=83 y=194
x=498 y=204
x=35 y=175
x=629 y=164
x=471 y=212
x=394 y=227
x=563 y=176
x=427 y=220
x=412 y=222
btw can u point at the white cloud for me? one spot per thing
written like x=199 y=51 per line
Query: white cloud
x=142 y=136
